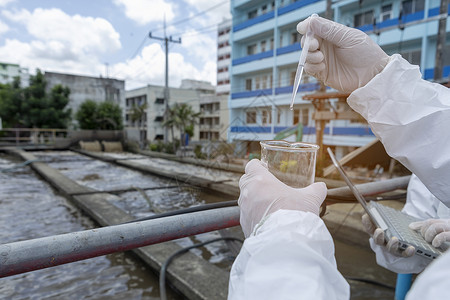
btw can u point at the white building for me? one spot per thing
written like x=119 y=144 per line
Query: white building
x=147 y=127
x=82 y=88
x=9 y=71
x=223 y=58
x=266 y=49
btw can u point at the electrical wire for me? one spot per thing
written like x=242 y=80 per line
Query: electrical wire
x=193 y=16
x=162 y=274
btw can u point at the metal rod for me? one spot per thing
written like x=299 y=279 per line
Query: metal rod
x=30 y=255
x=373 y=188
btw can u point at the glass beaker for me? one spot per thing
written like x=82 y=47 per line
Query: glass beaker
x=292 y=163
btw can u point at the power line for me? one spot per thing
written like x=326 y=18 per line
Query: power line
x=193 y=16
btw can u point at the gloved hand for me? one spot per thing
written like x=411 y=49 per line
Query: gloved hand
x=343 y=58
x=378 y=237
x=262 y=193
x=434 y=231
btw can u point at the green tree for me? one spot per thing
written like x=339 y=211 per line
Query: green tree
x=32 y=106
x=182 y=117
x=103 y=116
x=11 y=102
x=138 y=111
x=87 y=115
x=109 y=116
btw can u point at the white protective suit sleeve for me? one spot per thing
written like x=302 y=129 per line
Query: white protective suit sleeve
x=433 y=282
x=420 y=203
x=290 y=256
x=410 y=116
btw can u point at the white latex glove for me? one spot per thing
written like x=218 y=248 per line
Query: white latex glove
x=343 y=58
x=262 y=194
x=378 y=237
x=434 y=231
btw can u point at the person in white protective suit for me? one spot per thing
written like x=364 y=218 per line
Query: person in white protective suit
x=288 y=252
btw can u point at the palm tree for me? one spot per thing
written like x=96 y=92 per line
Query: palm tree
x=182 y=117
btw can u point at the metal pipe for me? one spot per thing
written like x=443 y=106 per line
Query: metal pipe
x=30 y=255
x=372 y=188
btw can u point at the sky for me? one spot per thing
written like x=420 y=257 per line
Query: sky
x=110 y=38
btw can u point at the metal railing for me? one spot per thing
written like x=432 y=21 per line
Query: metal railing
x=33 y=136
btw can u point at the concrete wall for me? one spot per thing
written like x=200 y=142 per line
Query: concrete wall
x=74 y=136
x=82 y=88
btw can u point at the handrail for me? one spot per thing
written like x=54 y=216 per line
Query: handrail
x=31 y=135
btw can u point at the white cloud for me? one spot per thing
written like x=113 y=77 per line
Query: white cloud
x=149 y=68
x=5 y=2
x=3 y=27
x=60 y=42
x=213 y=16
x=200 y=46
x=145 y=11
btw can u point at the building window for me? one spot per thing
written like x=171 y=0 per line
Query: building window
x=364 y=18
x=412 y=56
x=266 y=117
x=248 y=84
x=264 y=9
x=278 y=116
x=264 y=82
x=295 y=38
x=386 y=12
x=250 y=117
x=252 y=14
x=305 y=116
x=296 y=116
x=159 y=119
x=412 y=6
x=446 y=58
x=159 y=101
x=292 y=78
x=263 y=46
x=159 y=137
x=251 y=49
x=271 y=44
x=257 y=85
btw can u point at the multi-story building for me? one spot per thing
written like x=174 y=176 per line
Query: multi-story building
x=223 y=58
x=145 y=108
x=9 y=71
x=214 y=118
x=82 y=88
x=266 y=48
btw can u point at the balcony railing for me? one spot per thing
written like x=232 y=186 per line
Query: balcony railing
x=248 y=94
x=353 y=131
x=249 y=58
x=429 y=73
x=306 y=87
x=271 y=14
x=254 y=21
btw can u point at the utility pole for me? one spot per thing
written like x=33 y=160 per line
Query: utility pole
x=166 y=86
x=440 y=41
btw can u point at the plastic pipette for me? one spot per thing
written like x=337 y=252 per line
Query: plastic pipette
x=301 y=63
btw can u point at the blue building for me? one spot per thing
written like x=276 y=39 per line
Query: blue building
x=265 y=52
